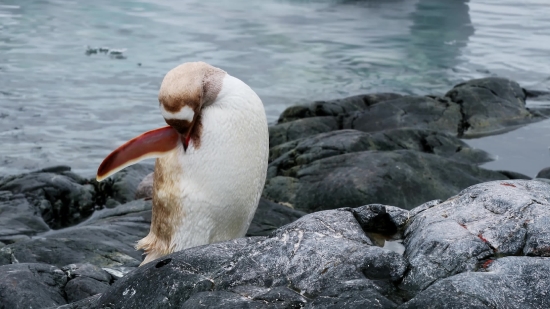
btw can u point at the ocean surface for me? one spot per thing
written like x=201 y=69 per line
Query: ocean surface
x=60 y=104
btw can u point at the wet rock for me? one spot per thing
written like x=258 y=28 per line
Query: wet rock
x=30 y=285
x=514 y=175
x=477 y=107
x=489 y=105
x=403 y=178
x=17 y=218
x=122 y=186
x=482 y=223
x=270 y=216
x=83 y=287
x=86 y=303
x=60 y=197
x=418 y=112
x=335 y=107
x=106 y=239
x=508 y=282
x=288 y=158
x=285 y=132
x=544 y=173
x=318 y=255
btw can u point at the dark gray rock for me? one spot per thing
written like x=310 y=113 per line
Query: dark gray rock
x=106 y=240
x=403 y=178
x=289 y=157
x=483 y=222
x=335 y=107
x=429 y=113
x=489 y=105
x=514 y=175
x=300 y=128
x=86 y=303
x=83 y=287
x=31 y=286
x=60 y=197
x=18 y=219
x=508 y=282
x=270 y=216
x=544 y=173
x=477 y=107
x=122 y=186
x=319 y=255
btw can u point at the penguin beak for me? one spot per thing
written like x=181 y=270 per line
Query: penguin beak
x=151 y=144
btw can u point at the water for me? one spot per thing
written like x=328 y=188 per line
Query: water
x=61 y=106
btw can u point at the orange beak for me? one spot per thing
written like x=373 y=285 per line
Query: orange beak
x=151 y=144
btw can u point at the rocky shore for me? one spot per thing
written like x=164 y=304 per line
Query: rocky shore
x=371 y=201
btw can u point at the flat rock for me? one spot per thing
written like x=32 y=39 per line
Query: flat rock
x=403 y=178
x=481 y=224
x=287 y=158
x=106 y=240
x=318 y=255
x=31 y=285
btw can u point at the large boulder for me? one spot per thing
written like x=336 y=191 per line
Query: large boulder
x=313 y=259
x=469 y=231
x=476 y=107
x=403 y=178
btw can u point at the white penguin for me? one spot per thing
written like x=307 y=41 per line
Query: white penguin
x=211 y=160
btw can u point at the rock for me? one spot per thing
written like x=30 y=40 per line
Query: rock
x=269 y=216
x=106 y=239
x=335 y=107
x=429 y=113
x=403 y=178
x=508 y=282
x=285 y=132
x=477 y=107
x=489 y=105
x=31 y=285
x=17 y=218
x=60 y=197
x=467 y=232
x=319 y=255
x=514 y=175
x=544 y=173
x=86 y=303
x=145 y=187
x=122 y=186
x=289 y=157
x=83 y=287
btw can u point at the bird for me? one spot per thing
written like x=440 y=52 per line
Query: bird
x=211 y=160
